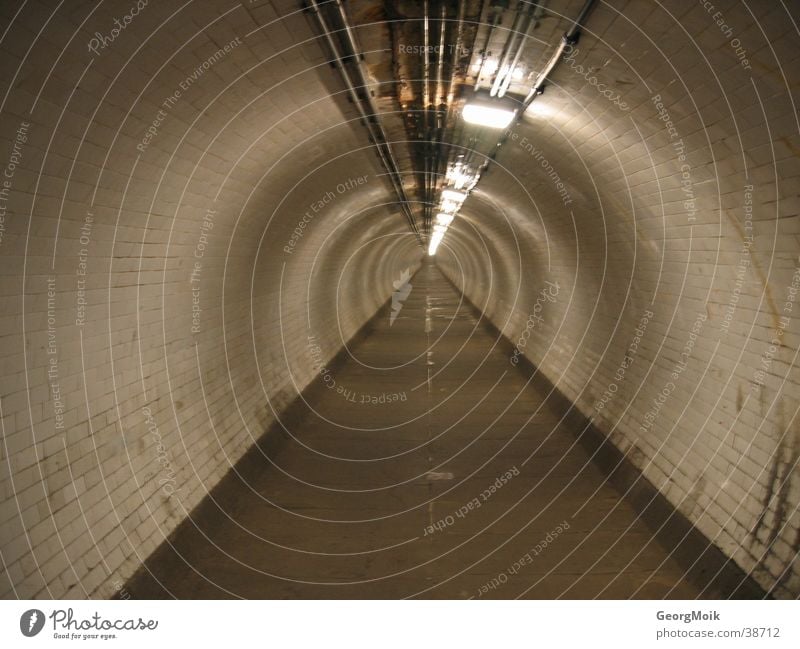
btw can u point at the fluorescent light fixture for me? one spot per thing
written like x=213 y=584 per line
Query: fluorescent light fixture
x=444 y=219
x=489 y=66
x=504 y=78
x=458 y=176
x=453 y=195
x=517 y=73
x=490 y=116
x=450 y=206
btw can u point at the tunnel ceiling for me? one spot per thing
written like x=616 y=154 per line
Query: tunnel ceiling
x=203 y=202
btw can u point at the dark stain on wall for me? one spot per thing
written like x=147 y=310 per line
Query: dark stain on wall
x=769 y=494
x=782 y=468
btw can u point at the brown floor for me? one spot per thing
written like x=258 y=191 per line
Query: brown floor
x=344 y=510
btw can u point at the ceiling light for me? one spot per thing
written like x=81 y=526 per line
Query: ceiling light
x=444 y=219
x=453 y=195
x=440 y=228
x=436 y=239
x=489 y=116
x=503 y=80
x=450 y=206
x=458 y=176
x=540 y=108
x=489 y=66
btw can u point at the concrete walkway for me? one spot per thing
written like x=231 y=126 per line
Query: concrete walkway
x=439 y=470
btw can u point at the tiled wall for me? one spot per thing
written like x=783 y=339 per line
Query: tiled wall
x=674 y=275
x=154 y=401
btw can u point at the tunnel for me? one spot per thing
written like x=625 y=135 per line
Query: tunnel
x=386 y=299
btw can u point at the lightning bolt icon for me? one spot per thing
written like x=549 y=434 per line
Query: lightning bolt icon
x=32 y=620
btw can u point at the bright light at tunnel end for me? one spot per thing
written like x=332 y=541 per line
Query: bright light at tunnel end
x=436 y=239
x=492 y=117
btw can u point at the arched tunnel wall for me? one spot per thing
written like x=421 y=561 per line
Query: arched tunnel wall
x=656 y=288
x=167 y=290
x=120 y=411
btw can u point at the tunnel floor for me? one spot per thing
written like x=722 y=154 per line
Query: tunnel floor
x=460 y=482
